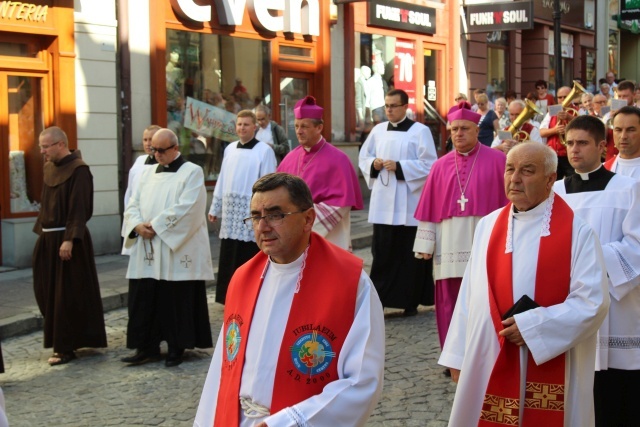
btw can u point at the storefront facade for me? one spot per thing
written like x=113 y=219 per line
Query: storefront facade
x=407 y=45
x=504 y=59
x=209 y=59
x=48 y=55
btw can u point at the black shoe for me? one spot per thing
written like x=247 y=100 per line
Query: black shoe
x=447 y=373
x=410 y=312
x=174 y=357
x=142 y=356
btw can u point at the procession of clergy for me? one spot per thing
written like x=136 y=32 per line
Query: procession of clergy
x=535 y=281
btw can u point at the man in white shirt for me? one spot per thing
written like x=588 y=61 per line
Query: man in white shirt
x=610 y=203
x=626 y=135
x=271 y=132
x=244 y=162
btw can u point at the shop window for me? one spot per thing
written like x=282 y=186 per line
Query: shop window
x=497 y=63
x=24 y=124
x=209 y=79
x=379 y=61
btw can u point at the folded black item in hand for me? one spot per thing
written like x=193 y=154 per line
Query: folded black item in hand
x=523 y=304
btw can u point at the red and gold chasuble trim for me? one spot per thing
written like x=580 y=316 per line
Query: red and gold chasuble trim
x=321 y=315
x=545 y=387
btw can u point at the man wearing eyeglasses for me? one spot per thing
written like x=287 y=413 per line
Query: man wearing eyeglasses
x=65 y=281
x=244 y=162
x=327 y=171
x=395 y=161
x=170 y=257
x=302 y=342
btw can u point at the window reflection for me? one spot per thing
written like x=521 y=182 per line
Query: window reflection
x=209 y=79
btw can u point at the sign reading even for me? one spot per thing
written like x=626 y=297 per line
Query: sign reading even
x=289 y=16
x=517 y=15
x=401 y=16
x=19 y=11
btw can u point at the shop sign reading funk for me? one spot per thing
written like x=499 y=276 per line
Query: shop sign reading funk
x=289 y=16
x=483 y=18
x=402 y=16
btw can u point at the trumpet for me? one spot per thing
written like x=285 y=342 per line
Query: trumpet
x=525 y=115
x=576 y=91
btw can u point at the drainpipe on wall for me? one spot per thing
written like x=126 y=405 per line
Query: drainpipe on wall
x=124 y=82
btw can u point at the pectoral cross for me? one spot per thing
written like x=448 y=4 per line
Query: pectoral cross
x=149 y=258
x=462 y=201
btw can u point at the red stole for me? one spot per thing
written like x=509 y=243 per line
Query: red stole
x=321 y=315
x=611 y=149
x=545 y=386
x=609 y=163
x=553 y=141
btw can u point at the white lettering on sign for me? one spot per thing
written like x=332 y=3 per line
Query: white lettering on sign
x=483 y=18
x=491 y=18
x=419 y=18
x=388 y=13
x=515 y=16
x=289 y=16
x=23 y=11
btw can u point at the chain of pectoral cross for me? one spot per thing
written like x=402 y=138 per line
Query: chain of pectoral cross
x=462 y=201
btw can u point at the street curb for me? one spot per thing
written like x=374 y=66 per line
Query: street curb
x=26 y=323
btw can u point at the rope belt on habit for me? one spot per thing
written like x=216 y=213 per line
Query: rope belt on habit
x=49 y=230
x=252 y=409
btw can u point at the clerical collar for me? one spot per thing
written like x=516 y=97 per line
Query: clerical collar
x=401 y=126
x=150 y=160
x=585 y=176
x=249 y=145
x=173 y=166
x=317 y=146
x=596 y=180
x=473 y=150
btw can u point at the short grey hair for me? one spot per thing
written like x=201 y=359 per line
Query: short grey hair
x=550 y=157
x=56 y=134
x=264 y=109
x=501 y=101
x=519 y=102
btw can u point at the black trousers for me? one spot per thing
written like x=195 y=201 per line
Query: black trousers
x=616 y=395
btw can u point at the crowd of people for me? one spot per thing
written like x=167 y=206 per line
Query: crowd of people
x=526 y=239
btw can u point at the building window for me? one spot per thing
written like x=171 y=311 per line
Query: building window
x=209 y=79
x=566 y=47
x=382 y=63
x=497 y=63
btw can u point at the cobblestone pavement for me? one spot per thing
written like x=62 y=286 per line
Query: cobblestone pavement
x=98 y=390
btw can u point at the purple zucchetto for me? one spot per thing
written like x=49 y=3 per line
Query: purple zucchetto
x=307 y=108
x=462 y=111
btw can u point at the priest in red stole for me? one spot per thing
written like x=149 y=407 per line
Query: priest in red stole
x=303 y=336
x=522 y=340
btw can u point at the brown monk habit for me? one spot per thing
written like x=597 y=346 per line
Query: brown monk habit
x=67 y=292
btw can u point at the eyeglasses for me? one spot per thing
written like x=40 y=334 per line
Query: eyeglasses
x=599 y=102
x=162 y=150
x=393 y=106
x=273 y=219
x=46 y=147
x=561 y=97
x=459 y=99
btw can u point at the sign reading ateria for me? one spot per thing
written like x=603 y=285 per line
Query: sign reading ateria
x=289 y=16
x=402 y=16
x=517 y=15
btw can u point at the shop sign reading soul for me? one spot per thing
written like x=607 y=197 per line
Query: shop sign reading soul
x=290 y=16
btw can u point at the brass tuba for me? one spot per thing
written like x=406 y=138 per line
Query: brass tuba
x=577 y=90
x=530 y=110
